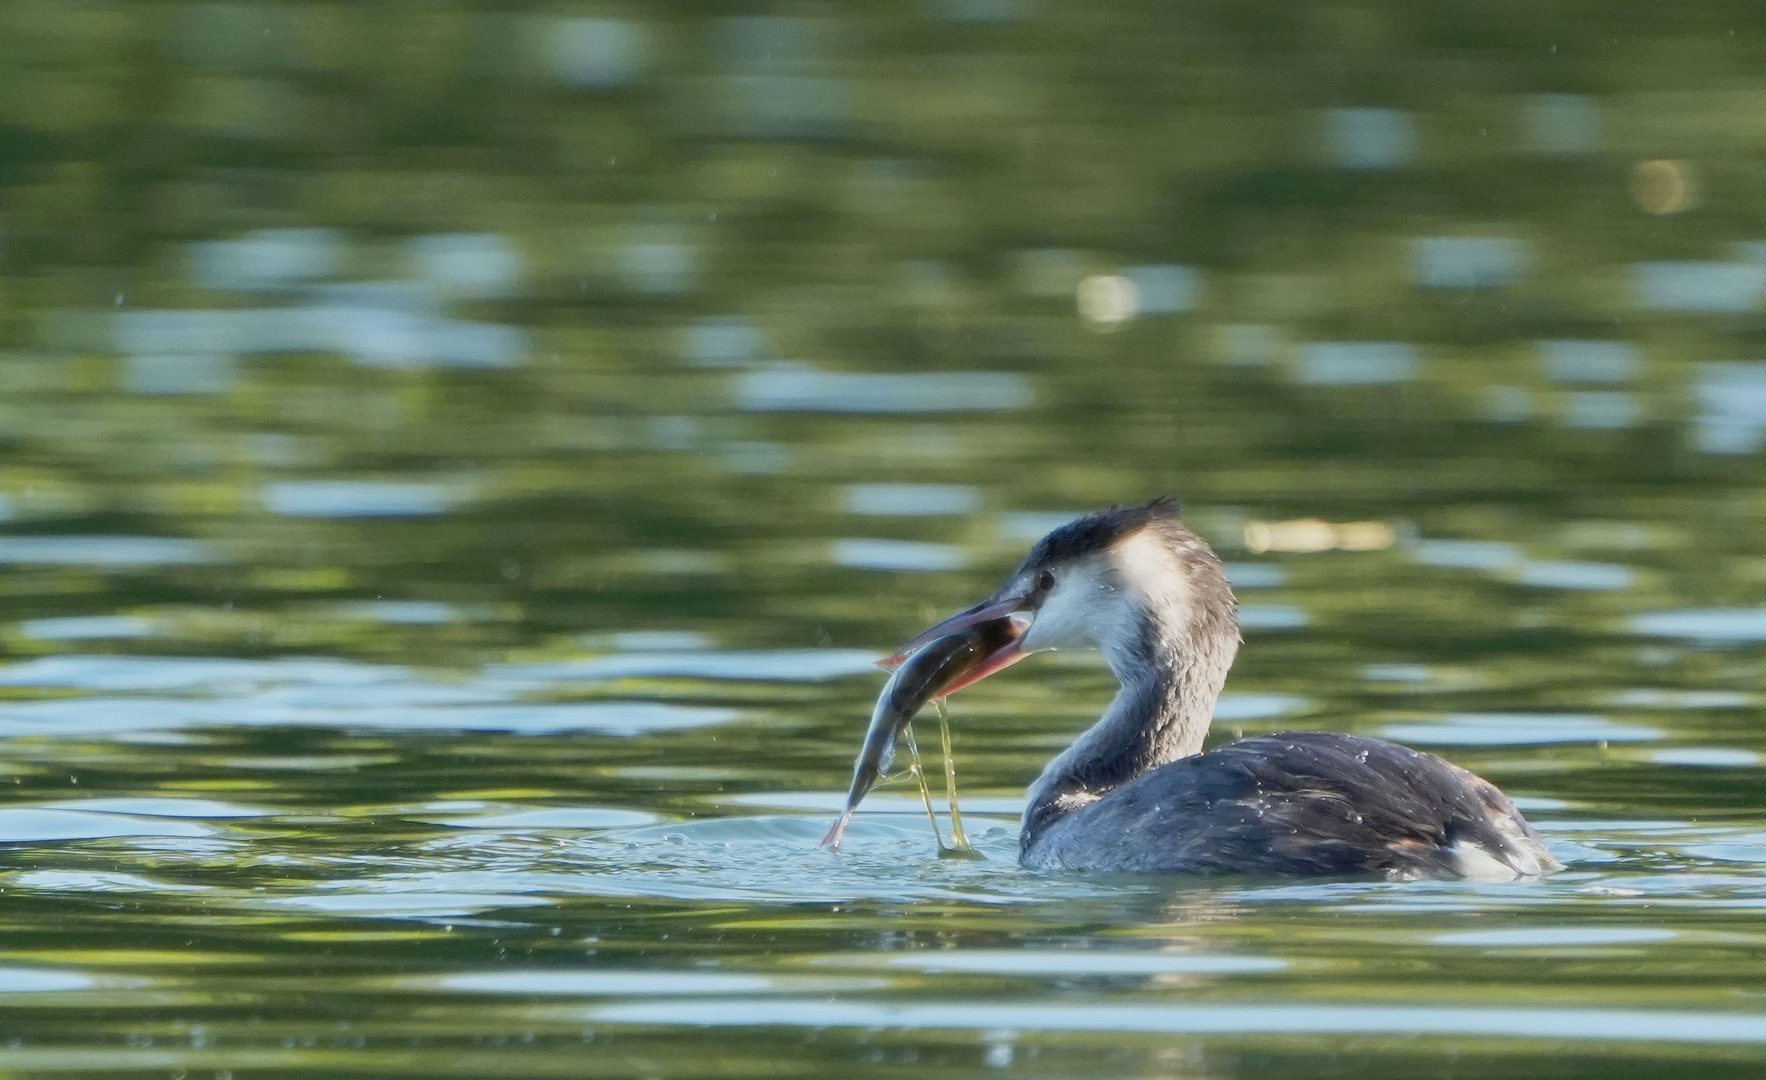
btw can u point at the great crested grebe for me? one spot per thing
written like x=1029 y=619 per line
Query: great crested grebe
x=1135 y=792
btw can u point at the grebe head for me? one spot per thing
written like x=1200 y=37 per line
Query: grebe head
x=1139 y=585
x=1131 y=581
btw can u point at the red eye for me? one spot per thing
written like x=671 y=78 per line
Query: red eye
x=1045 y=581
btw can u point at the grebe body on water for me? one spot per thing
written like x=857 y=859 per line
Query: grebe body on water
x=1135 y=792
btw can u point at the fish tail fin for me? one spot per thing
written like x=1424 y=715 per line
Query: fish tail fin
x=836 y=831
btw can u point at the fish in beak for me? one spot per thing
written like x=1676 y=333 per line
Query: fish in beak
x=994 y=609
x=965 y=649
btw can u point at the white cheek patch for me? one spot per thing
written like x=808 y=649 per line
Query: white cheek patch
x=1147 y=561
x=1089 y=608
x=1076 y=615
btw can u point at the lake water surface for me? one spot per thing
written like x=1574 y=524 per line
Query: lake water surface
x=458 y=466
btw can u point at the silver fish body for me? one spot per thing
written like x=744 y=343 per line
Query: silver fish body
x=930 y=672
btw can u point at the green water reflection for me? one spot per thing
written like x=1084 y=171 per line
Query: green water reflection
x=458 y=462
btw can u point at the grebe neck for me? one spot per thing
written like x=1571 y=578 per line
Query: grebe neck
x=1171 y=668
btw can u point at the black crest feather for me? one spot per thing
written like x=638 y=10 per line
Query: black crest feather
x=1095 y=532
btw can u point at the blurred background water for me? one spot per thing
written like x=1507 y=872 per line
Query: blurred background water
x=459 y=460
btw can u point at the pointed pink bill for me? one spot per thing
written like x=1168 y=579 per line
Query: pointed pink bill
x=986 y=611
x=998 y=660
